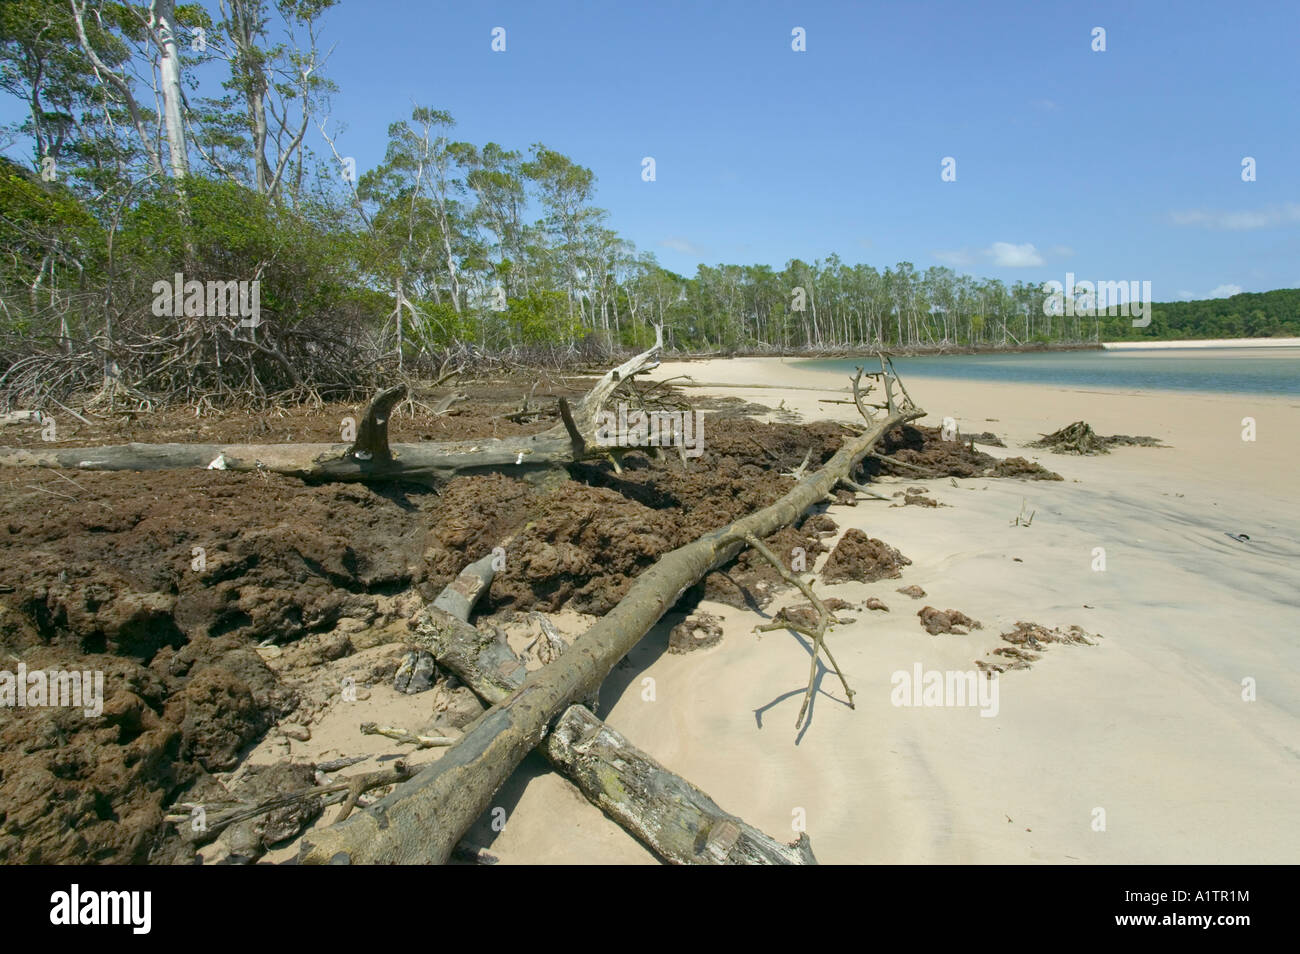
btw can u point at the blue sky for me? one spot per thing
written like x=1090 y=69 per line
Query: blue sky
x=1115 y=165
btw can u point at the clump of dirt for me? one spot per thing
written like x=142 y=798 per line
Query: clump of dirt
x=698 y=631
x=1027 y=642
x=228 y=698
x=1080 y=438
x=875 y=604
x=804 y=615
x=916 y=497
x=987 y=437
x=947 y=621
x=912 y=590
x=925 y=449
x=820 y=523
x=864 y=559
x=1116 y=440
x=1022 y=468
x=131 y=563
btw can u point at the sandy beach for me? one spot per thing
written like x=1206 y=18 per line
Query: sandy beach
x=1139 y=749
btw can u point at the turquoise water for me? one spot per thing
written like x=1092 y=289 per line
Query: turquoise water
x=1226 y=370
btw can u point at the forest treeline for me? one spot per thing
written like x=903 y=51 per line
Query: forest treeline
x=170 y=147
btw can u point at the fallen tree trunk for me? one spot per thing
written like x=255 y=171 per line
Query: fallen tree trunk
x=676 y=820
x=421 y=821
x=666 y=813
x=370 y=457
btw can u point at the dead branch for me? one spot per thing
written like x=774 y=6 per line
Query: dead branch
x=405 y=737
x=817 y=634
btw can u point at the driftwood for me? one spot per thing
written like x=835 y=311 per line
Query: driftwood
x=666 y=813
x=370 y=456
x=406 y=736
x=817 y=634
x=421 y=820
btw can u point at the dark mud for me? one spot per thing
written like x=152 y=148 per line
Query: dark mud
x=952 y=621
x=923 y=452
x=863 y=559
x=1026 y=643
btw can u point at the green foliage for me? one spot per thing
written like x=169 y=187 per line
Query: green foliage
x=221 y=231
x=51 y=248
x=1248 y=315
x=542 y=319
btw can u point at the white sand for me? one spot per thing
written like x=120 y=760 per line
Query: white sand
x=1202 y=343
x=1149 y=725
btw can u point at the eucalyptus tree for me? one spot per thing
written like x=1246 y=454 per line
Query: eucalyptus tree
x=496 y=177
x=565 y=191
x=273 y=90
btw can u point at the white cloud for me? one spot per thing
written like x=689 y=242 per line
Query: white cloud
x=1014 y=256
x=1224 y=291
x=1239 y=221
x=1186 y=295
x=685 y=246
x=1001 y=254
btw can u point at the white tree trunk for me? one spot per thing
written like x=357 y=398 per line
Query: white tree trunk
x=163 y=16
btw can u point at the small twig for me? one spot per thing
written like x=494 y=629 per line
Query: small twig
x=73 y=413
x=333 y=765
x=405 y=737
x=69 y=480
x=859 y=394
x=797 y=473
x=54 y=493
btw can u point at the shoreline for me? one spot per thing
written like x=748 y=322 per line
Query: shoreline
x=954 y=349
x=1195 y=343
